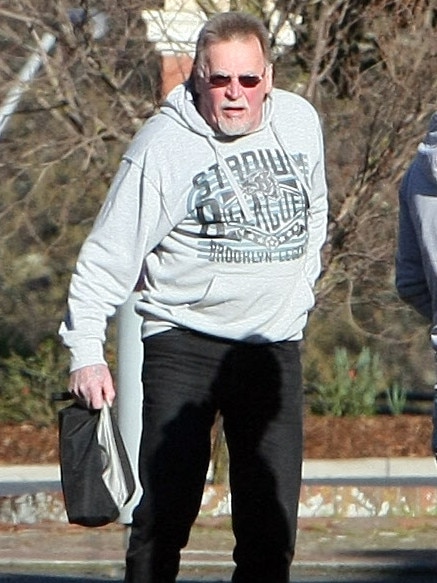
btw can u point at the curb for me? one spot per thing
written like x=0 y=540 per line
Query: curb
x=356 y=488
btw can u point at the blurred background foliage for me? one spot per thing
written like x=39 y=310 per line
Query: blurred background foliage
x=369 y=68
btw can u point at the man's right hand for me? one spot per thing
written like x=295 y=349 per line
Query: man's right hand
x=92 y=385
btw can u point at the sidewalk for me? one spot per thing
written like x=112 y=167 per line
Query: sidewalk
x=363 y=487
x=371 y=513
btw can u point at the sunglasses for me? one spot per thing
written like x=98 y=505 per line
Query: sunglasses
x=247 y=81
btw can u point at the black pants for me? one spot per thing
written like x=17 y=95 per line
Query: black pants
x=187 y=378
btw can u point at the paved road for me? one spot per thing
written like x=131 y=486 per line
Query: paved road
x=377 y=550
x=306 y=575
x=332 y=578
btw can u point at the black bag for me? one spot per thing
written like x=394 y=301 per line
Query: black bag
x=96 y=475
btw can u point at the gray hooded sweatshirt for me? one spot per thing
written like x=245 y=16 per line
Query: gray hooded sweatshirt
x=416 y=258
x=223 y=233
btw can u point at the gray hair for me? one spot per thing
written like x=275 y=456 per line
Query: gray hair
x=228 y=26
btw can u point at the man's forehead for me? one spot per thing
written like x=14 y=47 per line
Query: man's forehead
x=226 y=52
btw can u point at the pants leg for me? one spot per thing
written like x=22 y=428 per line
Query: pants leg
x=262 y=414
x=178 y=413
x=258 y=389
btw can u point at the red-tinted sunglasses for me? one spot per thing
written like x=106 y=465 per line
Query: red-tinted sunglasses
x=247 y=81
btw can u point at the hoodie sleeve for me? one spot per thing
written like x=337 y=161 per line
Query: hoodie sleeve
x=130 y=224
x=417 y=242
x=318 y=212
x=416 y=257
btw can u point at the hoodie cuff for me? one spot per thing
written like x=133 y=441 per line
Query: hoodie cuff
x=86 y=355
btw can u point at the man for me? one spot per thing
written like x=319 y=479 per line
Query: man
x=220 y=203
x=416 y=259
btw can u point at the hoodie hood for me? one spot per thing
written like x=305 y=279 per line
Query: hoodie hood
x=180 y=106
x=427 y=150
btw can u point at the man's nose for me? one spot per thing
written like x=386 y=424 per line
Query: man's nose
x=234 y=88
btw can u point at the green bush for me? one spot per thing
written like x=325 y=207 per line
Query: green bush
x=353 y=388
x=27 y=384
x=396 y=398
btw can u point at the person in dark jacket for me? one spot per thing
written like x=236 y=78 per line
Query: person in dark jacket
x=416 y=258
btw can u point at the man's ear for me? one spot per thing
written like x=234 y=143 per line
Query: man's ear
x=196 y=83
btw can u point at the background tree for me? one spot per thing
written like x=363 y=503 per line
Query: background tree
x=370 y=70
x=61 y=149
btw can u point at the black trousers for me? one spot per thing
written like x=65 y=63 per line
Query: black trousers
x=189 y=377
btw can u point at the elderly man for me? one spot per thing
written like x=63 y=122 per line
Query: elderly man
x=220 y=204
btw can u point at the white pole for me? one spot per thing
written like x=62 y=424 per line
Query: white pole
x=25 y=76
x=28 y=72
x=129 y=389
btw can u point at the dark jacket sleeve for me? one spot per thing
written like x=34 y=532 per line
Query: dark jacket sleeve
x=411 y=281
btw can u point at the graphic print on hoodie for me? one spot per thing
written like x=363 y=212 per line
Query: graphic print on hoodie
x=257 y=203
